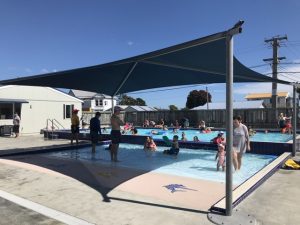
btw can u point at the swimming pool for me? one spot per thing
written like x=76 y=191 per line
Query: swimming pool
x=199 y=164
x=274 y=137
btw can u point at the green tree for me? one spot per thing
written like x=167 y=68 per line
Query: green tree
x=197 y=98
x=127 y=100
x=173 y=107
x=140 y=101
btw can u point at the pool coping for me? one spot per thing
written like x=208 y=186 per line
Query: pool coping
x=248 y=186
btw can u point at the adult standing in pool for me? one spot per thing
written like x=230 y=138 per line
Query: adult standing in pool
x=241 y=142
x=115 y=134
x=95 y=130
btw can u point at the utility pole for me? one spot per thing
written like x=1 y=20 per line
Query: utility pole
x=275 y=42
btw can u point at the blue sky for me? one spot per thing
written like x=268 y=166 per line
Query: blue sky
x=53 y=35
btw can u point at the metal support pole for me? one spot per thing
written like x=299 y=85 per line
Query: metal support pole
x=207 y=97
x=229 y=124
x=294 y=120
x=112 y=104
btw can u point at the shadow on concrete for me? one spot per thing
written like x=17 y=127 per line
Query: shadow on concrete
x=103 y=177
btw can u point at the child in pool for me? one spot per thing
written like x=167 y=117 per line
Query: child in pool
x=174 y=150
x=150 y=144
x=196 y=139
x=221 y=157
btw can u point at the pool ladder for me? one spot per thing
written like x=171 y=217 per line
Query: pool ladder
x=54 y=125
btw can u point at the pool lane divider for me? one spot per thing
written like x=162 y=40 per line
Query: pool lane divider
x=248 y=186
x=52 y=213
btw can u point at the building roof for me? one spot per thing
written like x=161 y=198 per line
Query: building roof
x=29 y=93
x=266 y=95
x=236 y=105
x=136 y=108
x=87 y=94
x=142 y=108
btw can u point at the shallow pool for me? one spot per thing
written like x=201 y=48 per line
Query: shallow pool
x=206 y=137
x=198 y=164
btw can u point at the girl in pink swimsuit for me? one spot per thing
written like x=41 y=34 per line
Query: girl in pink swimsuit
x=221 y=157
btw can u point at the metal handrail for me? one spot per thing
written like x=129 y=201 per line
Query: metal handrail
x=54 y=124
x=55 y=120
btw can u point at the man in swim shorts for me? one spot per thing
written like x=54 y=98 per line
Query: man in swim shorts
x=115 y=134
x=95 y=130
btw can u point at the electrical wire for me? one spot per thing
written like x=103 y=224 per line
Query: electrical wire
x=166 y=89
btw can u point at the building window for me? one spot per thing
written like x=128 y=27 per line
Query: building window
x=98 y=102
x=68 y=111
x=105 y=102
x=101 y=102
x=6 y=110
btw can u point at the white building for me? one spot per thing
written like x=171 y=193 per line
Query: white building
x=93 y=102
x=283 y=99
x=37 y=106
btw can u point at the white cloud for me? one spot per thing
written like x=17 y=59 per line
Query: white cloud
x=259 y=88
x=11 y=68
x=28 y=70
x=267 y=87
x=130 y=43
x=44 y=71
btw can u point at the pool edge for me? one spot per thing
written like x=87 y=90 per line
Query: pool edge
x=247 y=187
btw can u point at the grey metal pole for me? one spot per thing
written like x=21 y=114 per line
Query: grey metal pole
x=112 y=105
x=229 y=124
x=207 y=97
x=294 y=120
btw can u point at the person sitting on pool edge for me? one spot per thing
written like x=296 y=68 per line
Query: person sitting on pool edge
x=150 y=144
x=219 y=139
x=134 y=131
x=251 y=131
x=174 y=150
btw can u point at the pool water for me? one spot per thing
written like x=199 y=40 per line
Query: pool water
x=206 y=137
x=197 y=164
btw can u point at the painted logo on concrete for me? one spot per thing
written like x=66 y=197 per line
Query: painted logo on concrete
x=177 y=187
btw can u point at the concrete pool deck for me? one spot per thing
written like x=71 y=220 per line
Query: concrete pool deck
x=274 y=202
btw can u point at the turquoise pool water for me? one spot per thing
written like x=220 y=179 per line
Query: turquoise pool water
x=259 y=136
x=197 y=164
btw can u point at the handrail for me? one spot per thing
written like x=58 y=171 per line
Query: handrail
x=55 y=120
x=54 y=124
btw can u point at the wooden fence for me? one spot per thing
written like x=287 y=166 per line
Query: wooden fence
x=256 y=118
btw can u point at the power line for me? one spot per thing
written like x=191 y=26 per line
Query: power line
x=259 y=65
x=167 y=89
x=295 y=72
x=286 y=76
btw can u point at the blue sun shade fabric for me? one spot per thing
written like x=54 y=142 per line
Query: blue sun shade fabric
x=195 y=62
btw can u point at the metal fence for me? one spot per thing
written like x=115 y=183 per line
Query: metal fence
x=104 y=119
